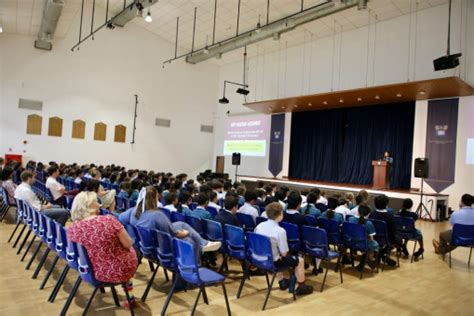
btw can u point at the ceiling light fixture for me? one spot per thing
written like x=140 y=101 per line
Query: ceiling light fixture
x=223 y=100
x=148 y=17
x=1 y=29
x=399 y=95
x=325 y=102
x=341 y=101
x=422 y=92
x=359 y=99
x=310 y=104
x=242 y=90
x=377 y=97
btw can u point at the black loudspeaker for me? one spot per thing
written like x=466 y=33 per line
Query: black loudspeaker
x=236 y=159
x=421 y=168
x=446 y=62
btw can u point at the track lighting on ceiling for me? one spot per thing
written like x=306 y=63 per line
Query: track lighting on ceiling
x=241 y=90
x=148 y=17
x=259 y=26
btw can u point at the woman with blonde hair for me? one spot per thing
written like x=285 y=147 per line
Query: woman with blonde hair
x=107 y=242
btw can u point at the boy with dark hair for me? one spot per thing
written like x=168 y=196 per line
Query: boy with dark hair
x=249 y=206
x=201 y=210
x=227 y=215
x=292 y=215
x=406 y=212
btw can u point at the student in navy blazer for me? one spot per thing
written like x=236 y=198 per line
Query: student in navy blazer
x=227 y=215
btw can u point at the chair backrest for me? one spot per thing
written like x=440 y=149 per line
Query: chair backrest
x=246 y=221
x=85 y=267
x=61 y=239
x=355 y=237
x=43 y=227
x=322 y=207
x=50 y=233
x=178 y=217
x=71 y=254
x=259 y=250
x=165 y=250
x=167 y=212
x=292 y=235
x=212 y=210
x=463 y=235
x=120 y=203
x=186 y=261
x=381 y=232
x=310 y=220
x=193 y=206
x=332 y=230
x=69 y=199
x=348 y=217
x=405 y=227
x=214 y=231
x=195 y=223
x=148 y=242
x=133 y=233
x=315 y=241
x=260 y=219
x=235 y=241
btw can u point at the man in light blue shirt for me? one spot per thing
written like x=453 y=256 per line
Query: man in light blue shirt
x=464 y=216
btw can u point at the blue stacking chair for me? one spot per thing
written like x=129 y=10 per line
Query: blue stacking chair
x=69 y=199
x=463 y=236
x=51 y=240
x=36 y=226
x=32 y=226
x=236 y=247
x=405 y=227
x=381 y=236
x=43 y=234
x=193 y=274
x=259 y=253
x=166 y=211
x=214 y=232
x=332 y=229
x=315 y=244
x=246 y=221
x=178 y=217
x=348 y=217
x=62 y=251
x=196 y=223
x=27 y=219
x=120 y=204
x=193 y=206
x=293 y=236
x=322 y=207
x=260 y=219
x=86 y=274
x=5 y=205
x=212 y=210
x=261 y=209
x=355 y=239
x=20 y=215
x=310 y=220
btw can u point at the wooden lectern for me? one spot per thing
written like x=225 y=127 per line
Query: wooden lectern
x=381 y=174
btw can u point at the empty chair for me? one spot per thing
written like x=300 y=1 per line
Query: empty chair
x=463 y=236
x=246 y=221
x=292 y=235
x=214 y=233
x=235 y=246
x=166 y=211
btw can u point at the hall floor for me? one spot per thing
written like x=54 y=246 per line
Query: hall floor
x=426 y=287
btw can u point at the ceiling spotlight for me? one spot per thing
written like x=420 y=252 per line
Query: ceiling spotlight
x=310 y=104
x=1 y=29
x=296 y=105
x=242 y=91
x=377 y=97
x=148 y=17
x=283 y=107
x=259 y=27
x=325 y=102
x=422 y=92
x=359 y=99
x=399 y=95
x=206 y=51
x=224 y=100
x=341 y=101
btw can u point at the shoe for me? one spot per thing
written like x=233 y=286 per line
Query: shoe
x=359 y=267
x=405 y=250
x=436 y=246
x=418 y=253
x=134 y=304
x=372 y=264
x=284 y=284
x=391 y=262
x=304 y=289
x=212 y=246
x=317 y=271
x=346 y=260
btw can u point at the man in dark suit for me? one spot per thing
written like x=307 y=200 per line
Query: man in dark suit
x=227 y=215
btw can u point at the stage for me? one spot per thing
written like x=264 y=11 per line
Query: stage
x=434 y=202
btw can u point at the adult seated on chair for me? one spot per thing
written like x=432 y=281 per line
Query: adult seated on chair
x=291 y=214
x=108 y=244
x=25 y=193
x=310 y=208
x=227 y=215
x=57 y=189
x=249 y=205
x=281 y=256
x=464 y=216
x=6 y=180
x=406 y=212
x=381 y=213
x=147 y=214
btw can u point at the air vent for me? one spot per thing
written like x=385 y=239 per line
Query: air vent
x=30 y=104
x=207 y=128
x=162 y=122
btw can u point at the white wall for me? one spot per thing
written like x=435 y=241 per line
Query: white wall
x=399 y=57
x=96 y=84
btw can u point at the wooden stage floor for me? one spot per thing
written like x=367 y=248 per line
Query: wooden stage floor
x=426 y=287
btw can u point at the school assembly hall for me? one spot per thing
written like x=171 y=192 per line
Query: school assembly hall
x=236 y=157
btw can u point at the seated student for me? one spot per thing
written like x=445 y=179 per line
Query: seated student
x=372 y=244
x=406 y=212
x=240 y=193
x=322 y=198
x=78 y=176
x=171 y=201
x=213 y=201
x=227 y=215
x=217 y=187
x=304 y=195
x=464 y=216
x=185 y=199
x=360 y=200
x=249 y=205
x=201 y=210
x=291 y=214
x=228 y=188
x=125 y=190
x=6 y=181
x=280 y=250
x=280 y=197
x=25 y=193
x=381 y=214
x=268 y=194
x=136 y=187
x=57 y=190
x=310 y=208
x=330 y=213
x=342 y=207
x=106 y=196
x=147 y=214
x=260 y=203
x=350 y=200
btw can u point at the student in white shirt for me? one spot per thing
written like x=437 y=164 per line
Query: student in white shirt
x=171 y=201
x=280 y=249
x=342 y=208
x=322 y=199
x=25 y=193
x=217 y=187
x=248 y=207
x=213 y=201
x=57 y=189
x=359 y=201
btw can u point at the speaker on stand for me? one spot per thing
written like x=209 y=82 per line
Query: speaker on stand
x=236 y=163
x=422 y=171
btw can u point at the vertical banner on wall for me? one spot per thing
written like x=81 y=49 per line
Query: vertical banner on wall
x=277 y=138
x=441 y=134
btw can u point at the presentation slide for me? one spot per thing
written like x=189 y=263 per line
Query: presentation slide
x=246 y=135
x=470 y=139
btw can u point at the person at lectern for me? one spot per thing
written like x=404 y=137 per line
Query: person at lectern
x=387 y=157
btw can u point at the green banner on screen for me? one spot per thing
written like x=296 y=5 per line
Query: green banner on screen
x=245 y=147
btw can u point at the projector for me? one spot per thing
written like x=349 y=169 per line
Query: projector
x=446 y=62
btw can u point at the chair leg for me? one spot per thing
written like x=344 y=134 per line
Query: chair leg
x=324 y=280
x=196 y=302
x=167 y=278
x=362 y=264
x=338 y=265
x=170 y=294
x=352 y=258
x=129 y=300
x=224 y=261
x=226 y=299
x=115 y=296
x=14 y=231
x=204 y=296
x=450 y=259
x=152 y=267
x=89 y=301
x=266 y=277
x=19 y=236
x=4 y=213
x=413 y=253
x=41 y=263
x=269 y=291
x=150 y=283
x=71 y=296
x=28 y=248
x=50 y=270
x=35 y=253
x=398 y=258
x=469 y=262
x=24 y=242
x=56 y=288
x=246 y=271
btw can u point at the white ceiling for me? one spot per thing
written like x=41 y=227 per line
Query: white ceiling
x=24 y=17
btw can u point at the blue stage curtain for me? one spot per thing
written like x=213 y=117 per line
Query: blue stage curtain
x=339 y=145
